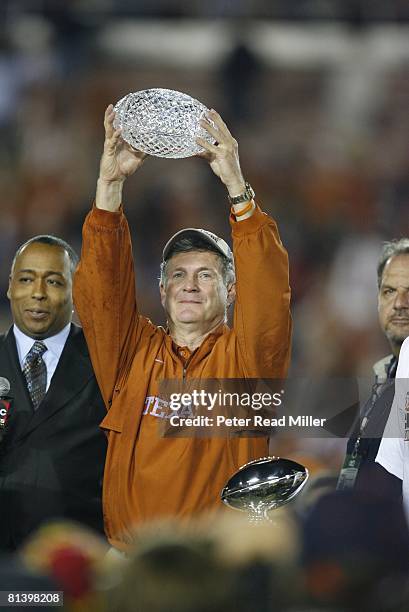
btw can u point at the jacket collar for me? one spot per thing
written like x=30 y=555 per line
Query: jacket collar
x=385 y=368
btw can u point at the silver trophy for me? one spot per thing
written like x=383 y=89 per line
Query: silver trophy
x=161 y=122
x=264 y=484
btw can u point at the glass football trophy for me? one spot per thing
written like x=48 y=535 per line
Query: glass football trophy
x=264 y=484
x=161 y=122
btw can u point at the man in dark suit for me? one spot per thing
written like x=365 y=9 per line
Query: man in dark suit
x=52 y=451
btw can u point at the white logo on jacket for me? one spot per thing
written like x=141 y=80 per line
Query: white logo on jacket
x=158 y=407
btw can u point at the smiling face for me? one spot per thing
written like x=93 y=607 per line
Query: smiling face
x=393 y=301
x=194 y=293
x=40 y=290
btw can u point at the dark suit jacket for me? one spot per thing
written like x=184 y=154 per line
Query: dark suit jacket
x=372 y=477
x=51 y=460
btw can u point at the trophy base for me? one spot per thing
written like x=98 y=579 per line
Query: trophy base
x=259 y=519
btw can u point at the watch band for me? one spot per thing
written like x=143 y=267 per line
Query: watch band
x=246 y=196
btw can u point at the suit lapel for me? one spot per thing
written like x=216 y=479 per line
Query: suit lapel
x=73 y=372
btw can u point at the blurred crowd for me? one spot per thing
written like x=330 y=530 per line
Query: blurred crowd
x=323 y=143
x=325 y=146
x=328 y=551
x=372 y=10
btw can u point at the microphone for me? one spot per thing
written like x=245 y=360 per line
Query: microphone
x=4 y=386
x=5 y=404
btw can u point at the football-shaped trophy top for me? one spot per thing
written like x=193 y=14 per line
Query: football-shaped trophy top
x=161 y=122
x=264 y=484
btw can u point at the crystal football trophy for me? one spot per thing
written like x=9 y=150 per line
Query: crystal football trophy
x=264 y=484
x=161 y=122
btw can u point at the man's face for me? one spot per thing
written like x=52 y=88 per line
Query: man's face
x=194 y=292
x=393 y=301
x=40 y=290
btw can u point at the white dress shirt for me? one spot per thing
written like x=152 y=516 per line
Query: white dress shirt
x=393 y=452
x=51 y=356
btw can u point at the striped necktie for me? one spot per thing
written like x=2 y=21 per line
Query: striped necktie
x=35 y=373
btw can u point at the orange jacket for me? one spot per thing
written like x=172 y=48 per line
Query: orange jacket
x=147 y=476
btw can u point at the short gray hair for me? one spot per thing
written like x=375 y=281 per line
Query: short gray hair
x=195 y=243
x=52 y=241
x=391 y=249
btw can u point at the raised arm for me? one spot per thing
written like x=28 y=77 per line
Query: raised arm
x=118 y=161
x=104 y=284
x=262 y=320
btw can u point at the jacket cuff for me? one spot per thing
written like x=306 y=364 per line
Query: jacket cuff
x=105 y=218
x=250 y=225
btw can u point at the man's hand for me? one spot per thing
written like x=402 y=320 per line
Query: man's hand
x=223 y=156
x=119 y=160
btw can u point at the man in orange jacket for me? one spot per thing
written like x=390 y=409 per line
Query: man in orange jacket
x=148 y=476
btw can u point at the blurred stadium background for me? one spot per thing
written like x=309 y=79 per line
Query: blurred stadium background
x=316 y=93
